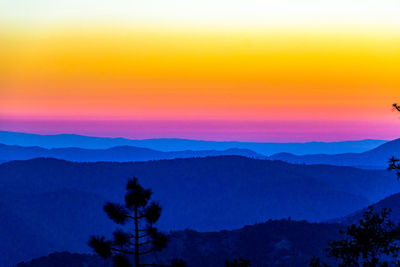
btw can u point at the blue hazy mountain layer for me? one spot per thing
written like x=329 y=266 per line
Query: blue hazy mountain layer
x=71 y=140
x=376 y=158
x=391 y=202
x=58 y=204
x=120 y=154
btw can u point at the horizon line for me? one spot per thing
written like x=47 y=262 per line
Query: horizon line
x=190 y=139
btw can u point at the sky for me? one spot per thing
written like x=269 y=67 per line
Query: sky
x=276 y=71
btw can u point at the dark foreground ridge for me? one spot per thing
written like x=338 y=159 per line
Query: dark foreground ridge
x=277 y=243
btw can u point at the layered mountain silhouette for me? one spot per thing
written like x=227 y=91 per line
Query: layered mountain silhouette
x=32 y=225
x=120 y=154
x=375 y=158
x=59 y=203
x=274 y=243
x=166 y=145
x=278 y=243
x=391 y=202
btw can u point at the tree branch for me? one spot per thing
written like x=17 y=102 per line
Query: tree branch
x=145 y=235
x=147 y=252
x=145 y=243
x=122 y=251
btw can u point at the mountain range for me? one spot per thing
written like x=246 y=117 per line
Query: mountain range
x=49 y=205
x=376 y=158
x=273 y=243
x=119 y=154
x=276 y=243
x=51 y=198
x=167 y=145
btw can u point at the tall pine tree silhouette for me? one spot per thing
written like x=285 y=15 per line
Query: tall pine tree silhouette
x=140 y=213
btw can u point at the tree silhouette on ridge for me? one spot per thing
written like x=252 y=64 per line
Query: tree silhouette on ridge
x=145 y=239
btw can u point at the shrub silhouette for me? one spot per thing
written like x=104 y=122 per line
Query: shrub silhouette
x=145 y=239
x=372 y=243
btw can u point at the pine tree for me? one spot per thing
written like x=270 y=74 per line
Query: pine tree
x=374 y=242
x=140 y=214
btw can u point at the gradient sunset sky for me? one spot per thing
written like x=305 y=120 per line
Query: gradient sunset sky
x=279 y=71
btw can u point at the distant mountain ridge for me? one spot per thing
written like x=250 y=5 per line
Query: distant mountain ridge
x=167 y=145
x=374 y=158
x=120 y=154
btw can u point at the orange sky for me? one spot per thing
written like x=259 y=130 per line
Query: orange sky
x=155 y=74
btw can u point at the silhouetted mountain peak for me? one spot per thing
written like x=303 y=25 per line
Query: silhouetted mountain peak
x=392 y=147
x=391 y=202
x=376 y=158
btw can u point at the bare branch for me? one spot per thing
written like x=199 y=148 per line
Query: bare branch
x=122 y=251
x=147 y=252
